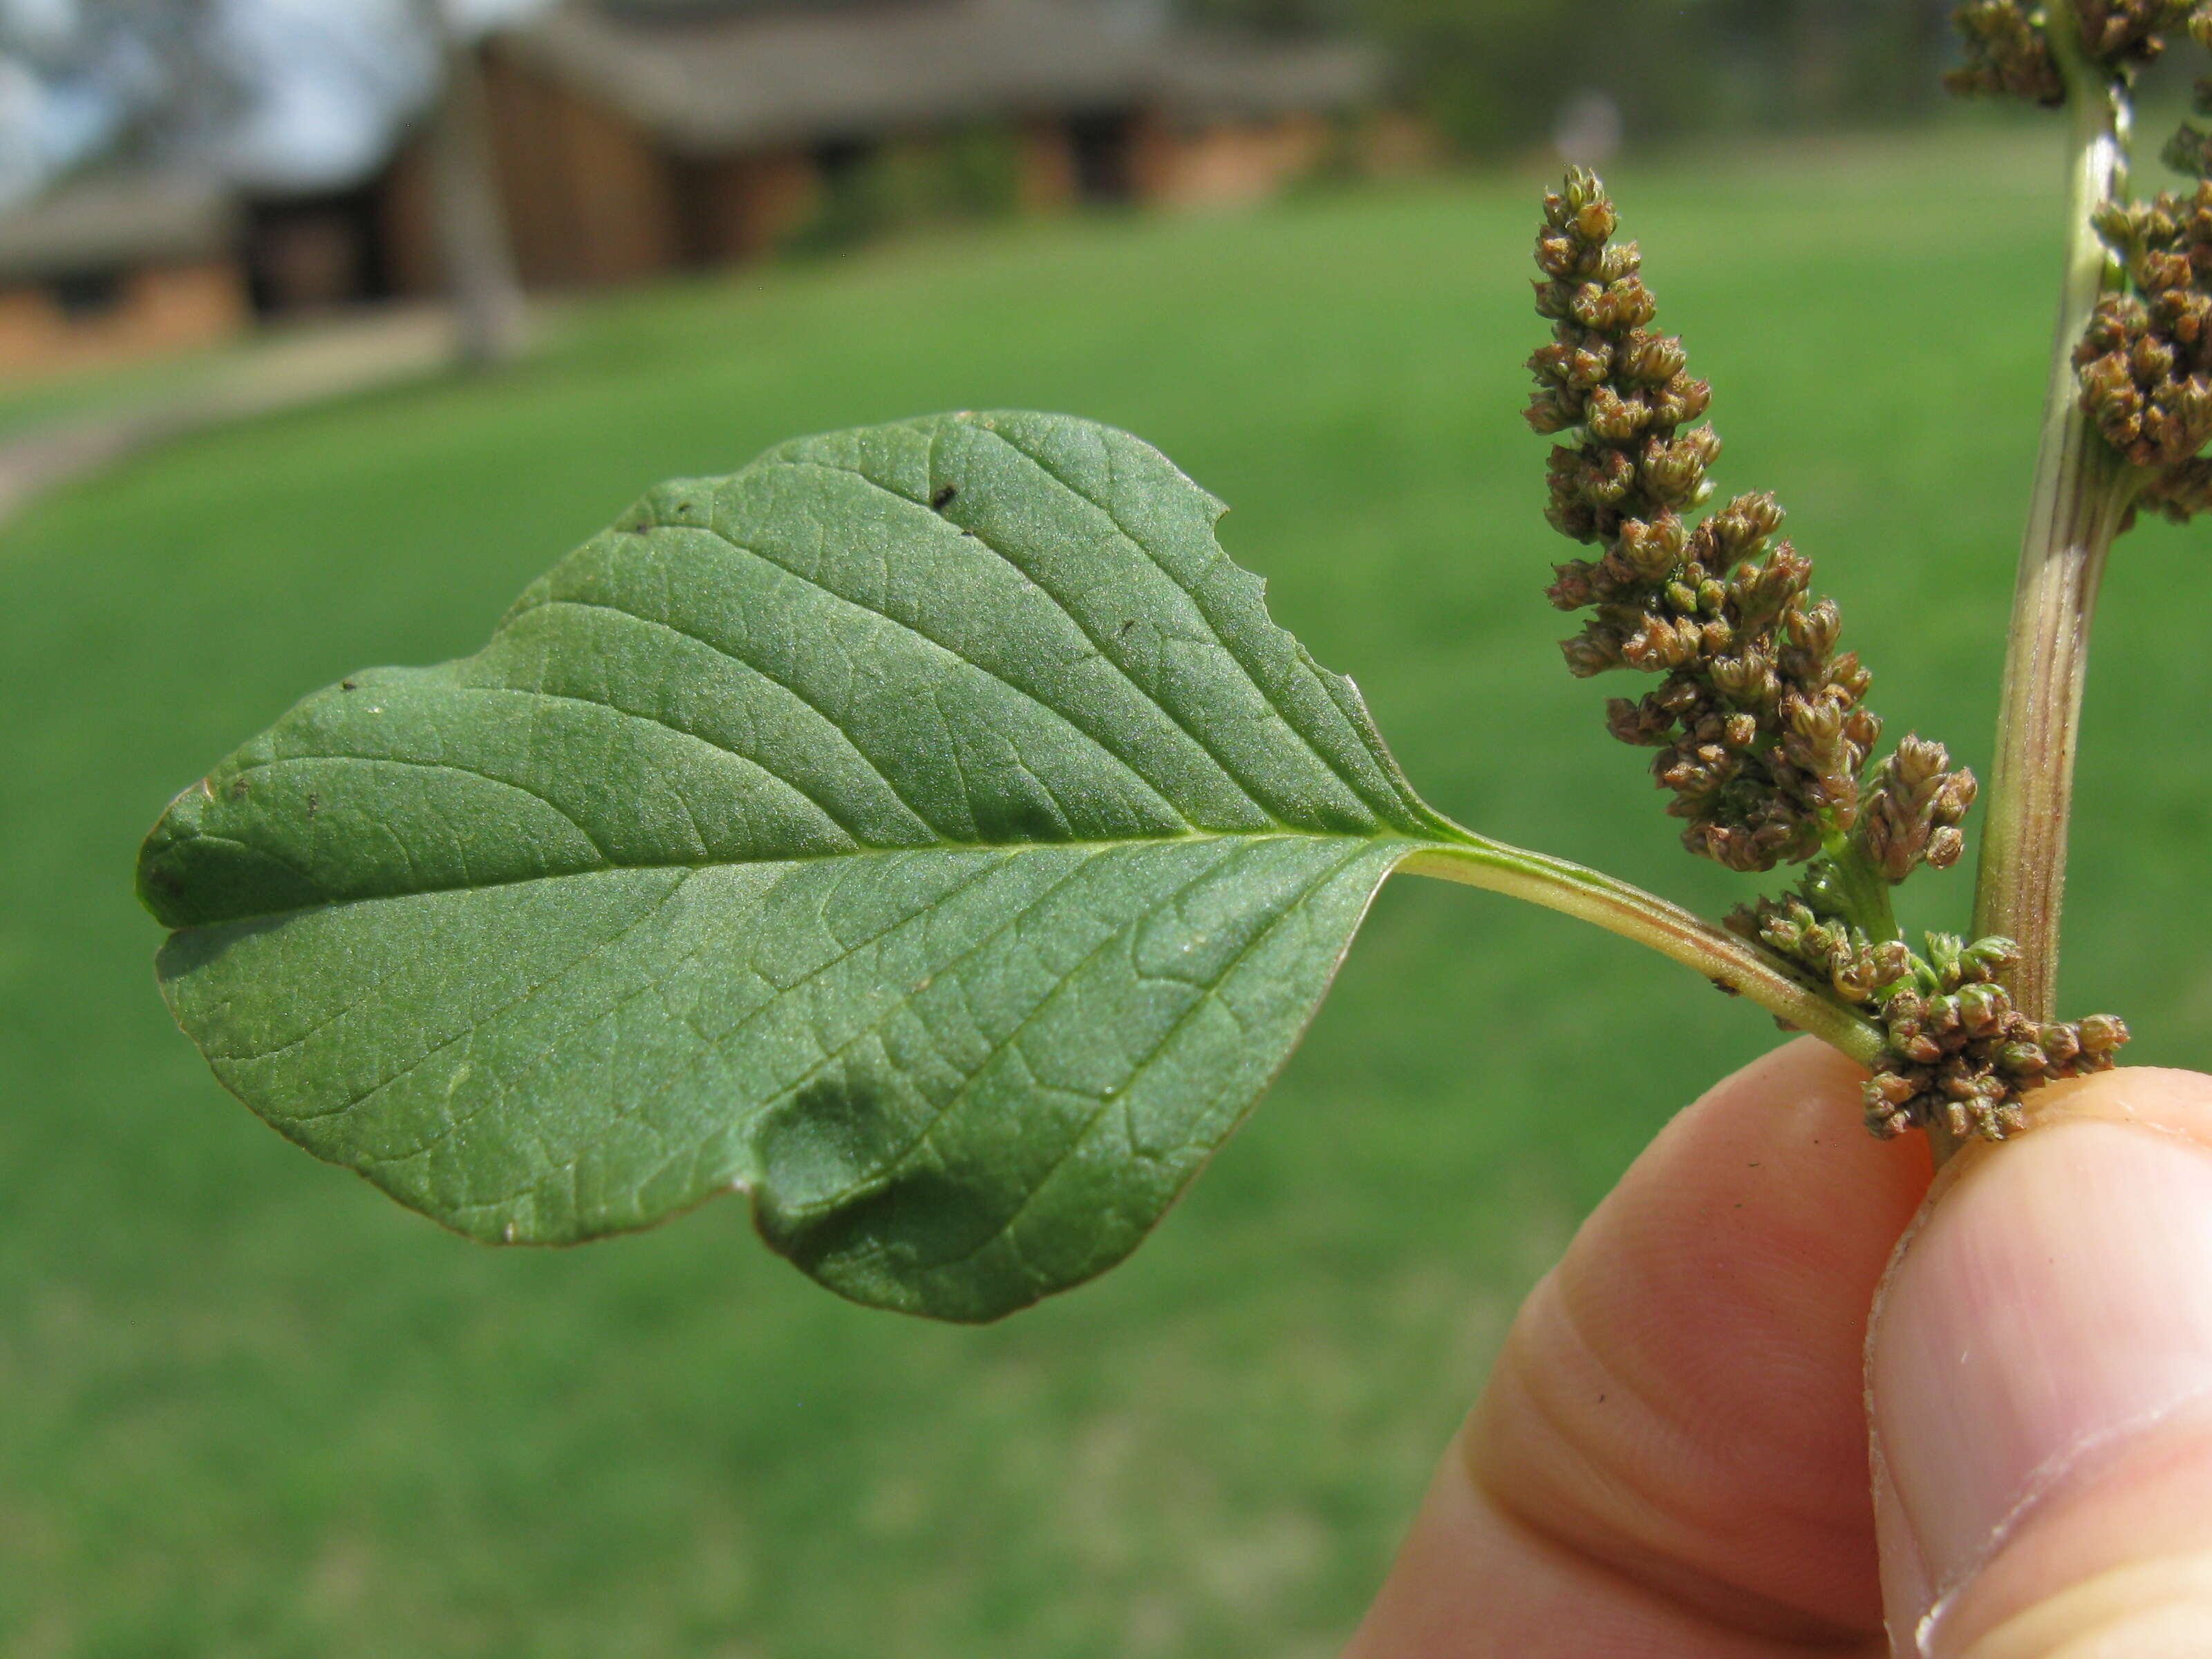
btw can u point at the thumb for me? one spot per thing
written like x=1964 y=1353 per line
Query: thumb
x=2039 y=1377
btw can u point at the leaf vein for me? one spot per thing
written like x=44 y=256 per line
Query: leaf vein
x=1099 y=642
x=1208 y=992
x=790 y=690
x=1388 y=806
x=467 y=1033
x=1004 y=1044
x=757 y=765
x=1110 y=749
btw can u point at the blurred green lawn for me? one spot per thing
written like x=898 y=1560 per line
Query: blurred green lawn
x=246 y=1406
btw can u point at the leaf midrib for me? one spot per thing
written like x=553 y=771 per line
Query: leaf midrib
x=1390 y=833
x=456 y=1125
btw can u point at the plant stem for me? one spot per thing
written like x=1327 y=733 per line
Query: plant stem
x=2022 y=878
x=1855 y=888
x=2082 y=490
x=1730 y=962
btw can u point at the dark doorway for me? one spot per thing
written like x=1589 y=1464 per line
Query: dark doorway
x=1103 y=148
x=308 y=253
x=82 y=296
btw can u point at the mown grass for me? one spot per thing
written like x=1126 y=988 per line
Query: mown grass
x=248 y=1406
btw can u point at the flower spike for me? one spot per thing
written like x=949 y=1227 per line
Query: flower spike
x=1760 y=724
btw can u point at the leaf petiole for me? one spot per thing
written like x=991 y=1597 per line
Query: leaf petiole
x=1728 y=962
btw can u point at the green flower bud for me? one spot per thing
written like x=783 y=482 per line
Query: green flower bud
x=2102 y=1034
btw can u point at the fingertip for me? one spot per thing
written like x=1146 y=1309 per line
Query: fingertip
x=2161 y=1098
x=1682 y=1395
x=2047 y=1329
x=1801 y=1103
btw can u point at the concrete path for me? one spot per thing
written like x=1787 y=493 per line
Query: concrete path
x=283 y=370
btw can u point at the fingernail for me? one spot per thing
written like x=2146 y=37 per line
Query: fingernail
x=2057 y=1303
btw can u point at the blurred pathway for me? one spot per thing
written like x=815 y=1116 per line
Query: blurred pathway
x=295 y=367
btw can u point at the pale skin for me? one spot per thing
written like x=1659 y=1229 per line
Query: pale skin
x=1672 y=1459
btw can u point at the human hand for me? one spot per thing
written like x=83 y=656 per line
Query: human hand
x=1672 y=1455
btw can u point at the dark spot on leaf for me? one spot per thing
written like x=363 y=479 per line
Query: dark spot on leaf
x=820 y=1150
x=1725 y=987
x=314 y=803
x=943 y=498
x=238 y=787
x=1122 y=632
x=349 y=685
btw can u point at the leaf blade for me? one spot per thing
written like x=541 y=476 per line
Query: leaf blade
x=924 y=829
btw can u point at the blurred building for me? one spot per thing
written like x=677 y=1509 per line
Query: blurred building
x=635 y=138
x=639 y=139
x=117 y=266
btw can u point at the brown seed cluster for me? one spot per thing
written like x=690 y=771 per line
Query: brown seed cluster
x=2129 y=35
x=1760 y=723
x=2008 y=54
x=2146 y=363
x=1960 y=1052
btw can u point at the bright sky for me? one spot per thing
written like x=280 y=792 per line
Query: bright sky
x=326 y=81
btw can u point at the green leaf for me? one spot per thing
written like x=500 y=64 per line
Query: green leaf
x=924 y=829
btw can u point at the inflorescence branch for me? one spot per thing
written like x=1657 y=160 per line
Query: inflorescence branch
x=2145 y=362
x=2010 y=52
x=1960 y=1052
x=1763 y=734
